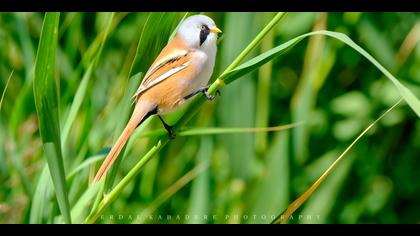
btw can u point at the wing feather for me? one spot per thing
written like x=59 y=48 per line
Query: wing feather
x=160 y=62
x=159 y=79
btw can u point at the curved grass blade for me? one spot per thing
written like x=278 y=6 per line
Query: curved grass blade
x=5 y=88
x=85 y=164
x=299 y=201
x=265 y=57
x=46 y=103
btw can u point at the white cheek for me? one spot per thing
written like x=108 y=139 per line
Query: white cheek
x=191 y=37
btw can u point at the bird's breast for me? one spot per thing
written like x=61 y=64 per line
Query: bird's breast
x=204 y=62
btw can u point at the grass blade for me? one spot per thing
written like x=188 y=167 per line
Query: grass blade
x=5 y=88
x=85 y=164
x=219 y=130
x=46 y=103
x=81 y=208
x=263 y=58
x=319 y=204
x=78 y=99
x=41 y=199
x=299 y=201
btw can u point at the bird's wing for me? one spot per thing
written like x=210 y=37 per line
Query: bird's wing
x=163 y=68
x=160 y=61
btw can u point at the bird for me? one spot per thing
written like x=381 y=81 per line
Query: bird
x=181 y=70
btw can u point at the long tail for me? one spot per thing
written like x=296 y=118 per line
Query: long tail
x=140 y=111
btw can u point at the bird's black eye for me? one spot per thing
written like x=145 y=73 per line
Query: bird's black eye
x=203 y=27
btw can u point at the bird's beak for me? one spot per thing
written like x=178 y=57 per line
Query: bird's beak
x=215 y=30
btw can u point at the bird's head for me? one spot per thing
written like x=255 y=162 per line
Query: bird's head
x=199 y=31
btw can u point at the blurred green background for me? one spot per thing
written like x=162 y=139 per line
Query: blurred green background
x=225 y=178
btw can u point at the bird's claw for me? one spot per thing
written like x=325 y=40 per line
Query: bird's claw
x=171 y=134
x=211 y=97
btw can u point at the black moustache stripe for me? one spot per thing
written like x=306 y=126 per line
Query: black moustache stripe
x=203 y=34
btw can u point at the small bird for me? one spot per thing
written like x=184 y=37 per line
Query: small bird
x=181 y=70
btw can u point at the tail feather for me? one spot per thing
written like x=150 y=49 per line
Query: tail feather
x=140 y=111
